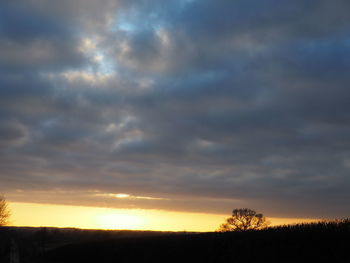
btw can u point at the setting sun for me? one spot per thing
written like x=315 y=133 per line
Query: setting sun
x=120 y=219
x=28 y=214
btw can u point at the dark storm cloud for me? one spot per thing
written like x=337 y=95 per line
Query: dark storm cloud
x=200 y=105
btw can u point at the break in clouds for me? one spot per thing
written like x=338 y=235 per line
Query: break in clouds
x=188 y=105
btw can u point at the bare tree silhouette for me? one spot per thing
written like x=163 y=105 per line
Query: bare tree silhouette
x=243 y=219
x=4 y=212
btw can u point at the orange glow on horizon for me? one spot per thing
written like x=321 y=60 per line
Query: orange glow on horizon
x=38 y=215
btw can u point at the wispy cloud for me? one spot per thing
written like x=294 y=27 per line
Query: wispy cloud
x=130 y=197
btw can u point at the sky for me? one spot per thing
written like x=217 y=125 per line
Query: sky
x=186 y=106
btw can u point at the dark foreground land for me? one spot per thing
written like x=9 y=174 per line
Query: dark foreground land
x=317 y=242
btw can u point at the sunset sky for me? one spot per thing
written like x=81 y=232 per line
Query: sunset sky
x=168 y=114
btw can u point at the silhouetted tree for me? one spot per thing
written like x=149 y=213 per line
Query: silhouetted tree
x=4 y=212
x=244 y=219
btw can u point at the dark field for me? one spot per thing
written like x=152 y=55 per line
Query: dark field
x=317 y=242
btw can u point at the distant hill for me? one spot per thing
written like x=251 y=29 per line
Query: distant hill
x=35 y=242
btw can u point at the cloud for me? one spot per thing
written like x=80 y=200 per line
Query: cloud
x=33 y=40
x=201 y=105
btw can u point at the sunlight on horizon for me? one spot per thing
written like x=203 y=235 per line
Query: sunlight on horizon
x=48 y=215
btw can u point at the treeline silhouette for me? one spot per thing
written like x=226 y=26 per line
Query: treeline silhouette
x=326 y=241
